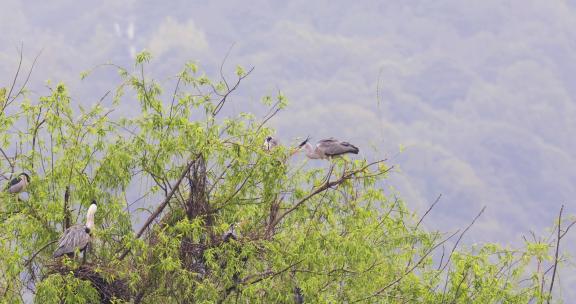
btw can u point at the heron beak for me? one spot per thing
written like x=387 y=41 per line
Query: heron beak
x=304 y=142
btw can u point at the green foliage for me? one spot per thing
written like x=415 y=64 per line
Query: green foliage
x=55 y=288
x=339 y=238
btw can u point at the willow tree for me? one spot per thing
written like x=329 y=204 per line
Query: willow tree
x=322 y=233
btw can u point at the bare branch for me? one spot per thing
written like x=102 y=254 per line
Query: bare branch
x=8 y=160
x=223 y=100
x=418 y=224
x=462 y=235
x=222 y=65
x=9 y=98
x=556 y=253
x=428 y=211
x=161 y=206
x=326 y=186
x=378 y=292
x=37 y=252
x=16 y=75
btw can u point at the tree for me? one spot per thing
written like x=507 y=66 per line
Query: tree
x=327 y=235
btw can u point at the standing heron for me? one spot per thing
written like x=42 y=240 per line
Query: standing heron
x=327 y=148
x=270 y=143
x=77 y=236
x=19 y=183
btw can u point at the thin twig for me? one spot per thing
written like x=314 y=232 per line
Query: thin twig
x=556 y=254
x=428 y=211
x=378 y=292
x=326 y=186
x=15 y=76
x=37 y=252
x=222 y=101
x=462 y=235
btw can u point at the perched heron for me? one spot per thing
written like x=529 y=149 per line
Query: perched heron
x=77 y=236
x=230 y=234
x=298 y=296
x=270 y=143
x=327 y=148
x=19 y=183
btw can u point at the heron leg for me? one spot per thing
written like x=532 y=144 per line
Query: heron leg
x=85 y=252
x=327 y=178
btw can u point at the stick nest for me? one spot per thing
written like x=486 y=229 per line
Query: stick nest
x=95 y=274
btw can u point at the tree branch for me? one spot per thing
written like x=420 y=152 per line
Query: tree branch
x=556 y=254
x=326 y=186
x=378 y=292
x=161 y=206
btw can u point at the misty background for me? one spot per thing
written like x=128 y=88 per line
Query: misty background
x=480 y=93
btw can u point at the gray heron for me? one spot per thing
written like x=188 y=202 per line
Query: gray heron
x=19 y=183
x=327 y=148
x=230 y=234
x=270 y=143
x=298 y=296
x=77 y=236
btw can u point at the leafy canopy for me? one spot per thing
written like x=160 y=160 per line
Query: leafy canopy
x=326 y=230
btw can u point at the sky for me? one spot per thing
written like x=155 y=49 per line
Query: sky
x=480 y=93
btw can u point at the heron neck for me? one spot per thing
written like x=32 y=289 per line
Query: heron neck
x=310 y=151
x=90 y=217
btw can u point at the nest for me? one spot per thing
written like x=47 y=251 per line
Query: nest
x=192 y=257
x=107 y=290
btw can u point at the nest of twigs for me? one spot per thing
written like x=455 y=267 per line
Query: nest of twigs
x=192 y=257
x=108 y=290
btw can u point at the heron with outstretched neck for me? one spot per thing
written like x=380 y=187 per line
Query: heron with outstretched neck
x=327 y=148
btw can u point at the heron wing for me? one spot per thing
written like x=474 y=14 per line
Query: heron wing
x=16 y=185
x=333 y=147
x=15 y=181
x=273 y=143
x=327 y=141
x=74 y=237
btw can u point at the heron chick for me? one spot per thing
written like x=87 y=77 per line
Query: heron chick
x=77 y=236
x=19 y=183
x=230 y=233
x=270 y=143
x=327 y=148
